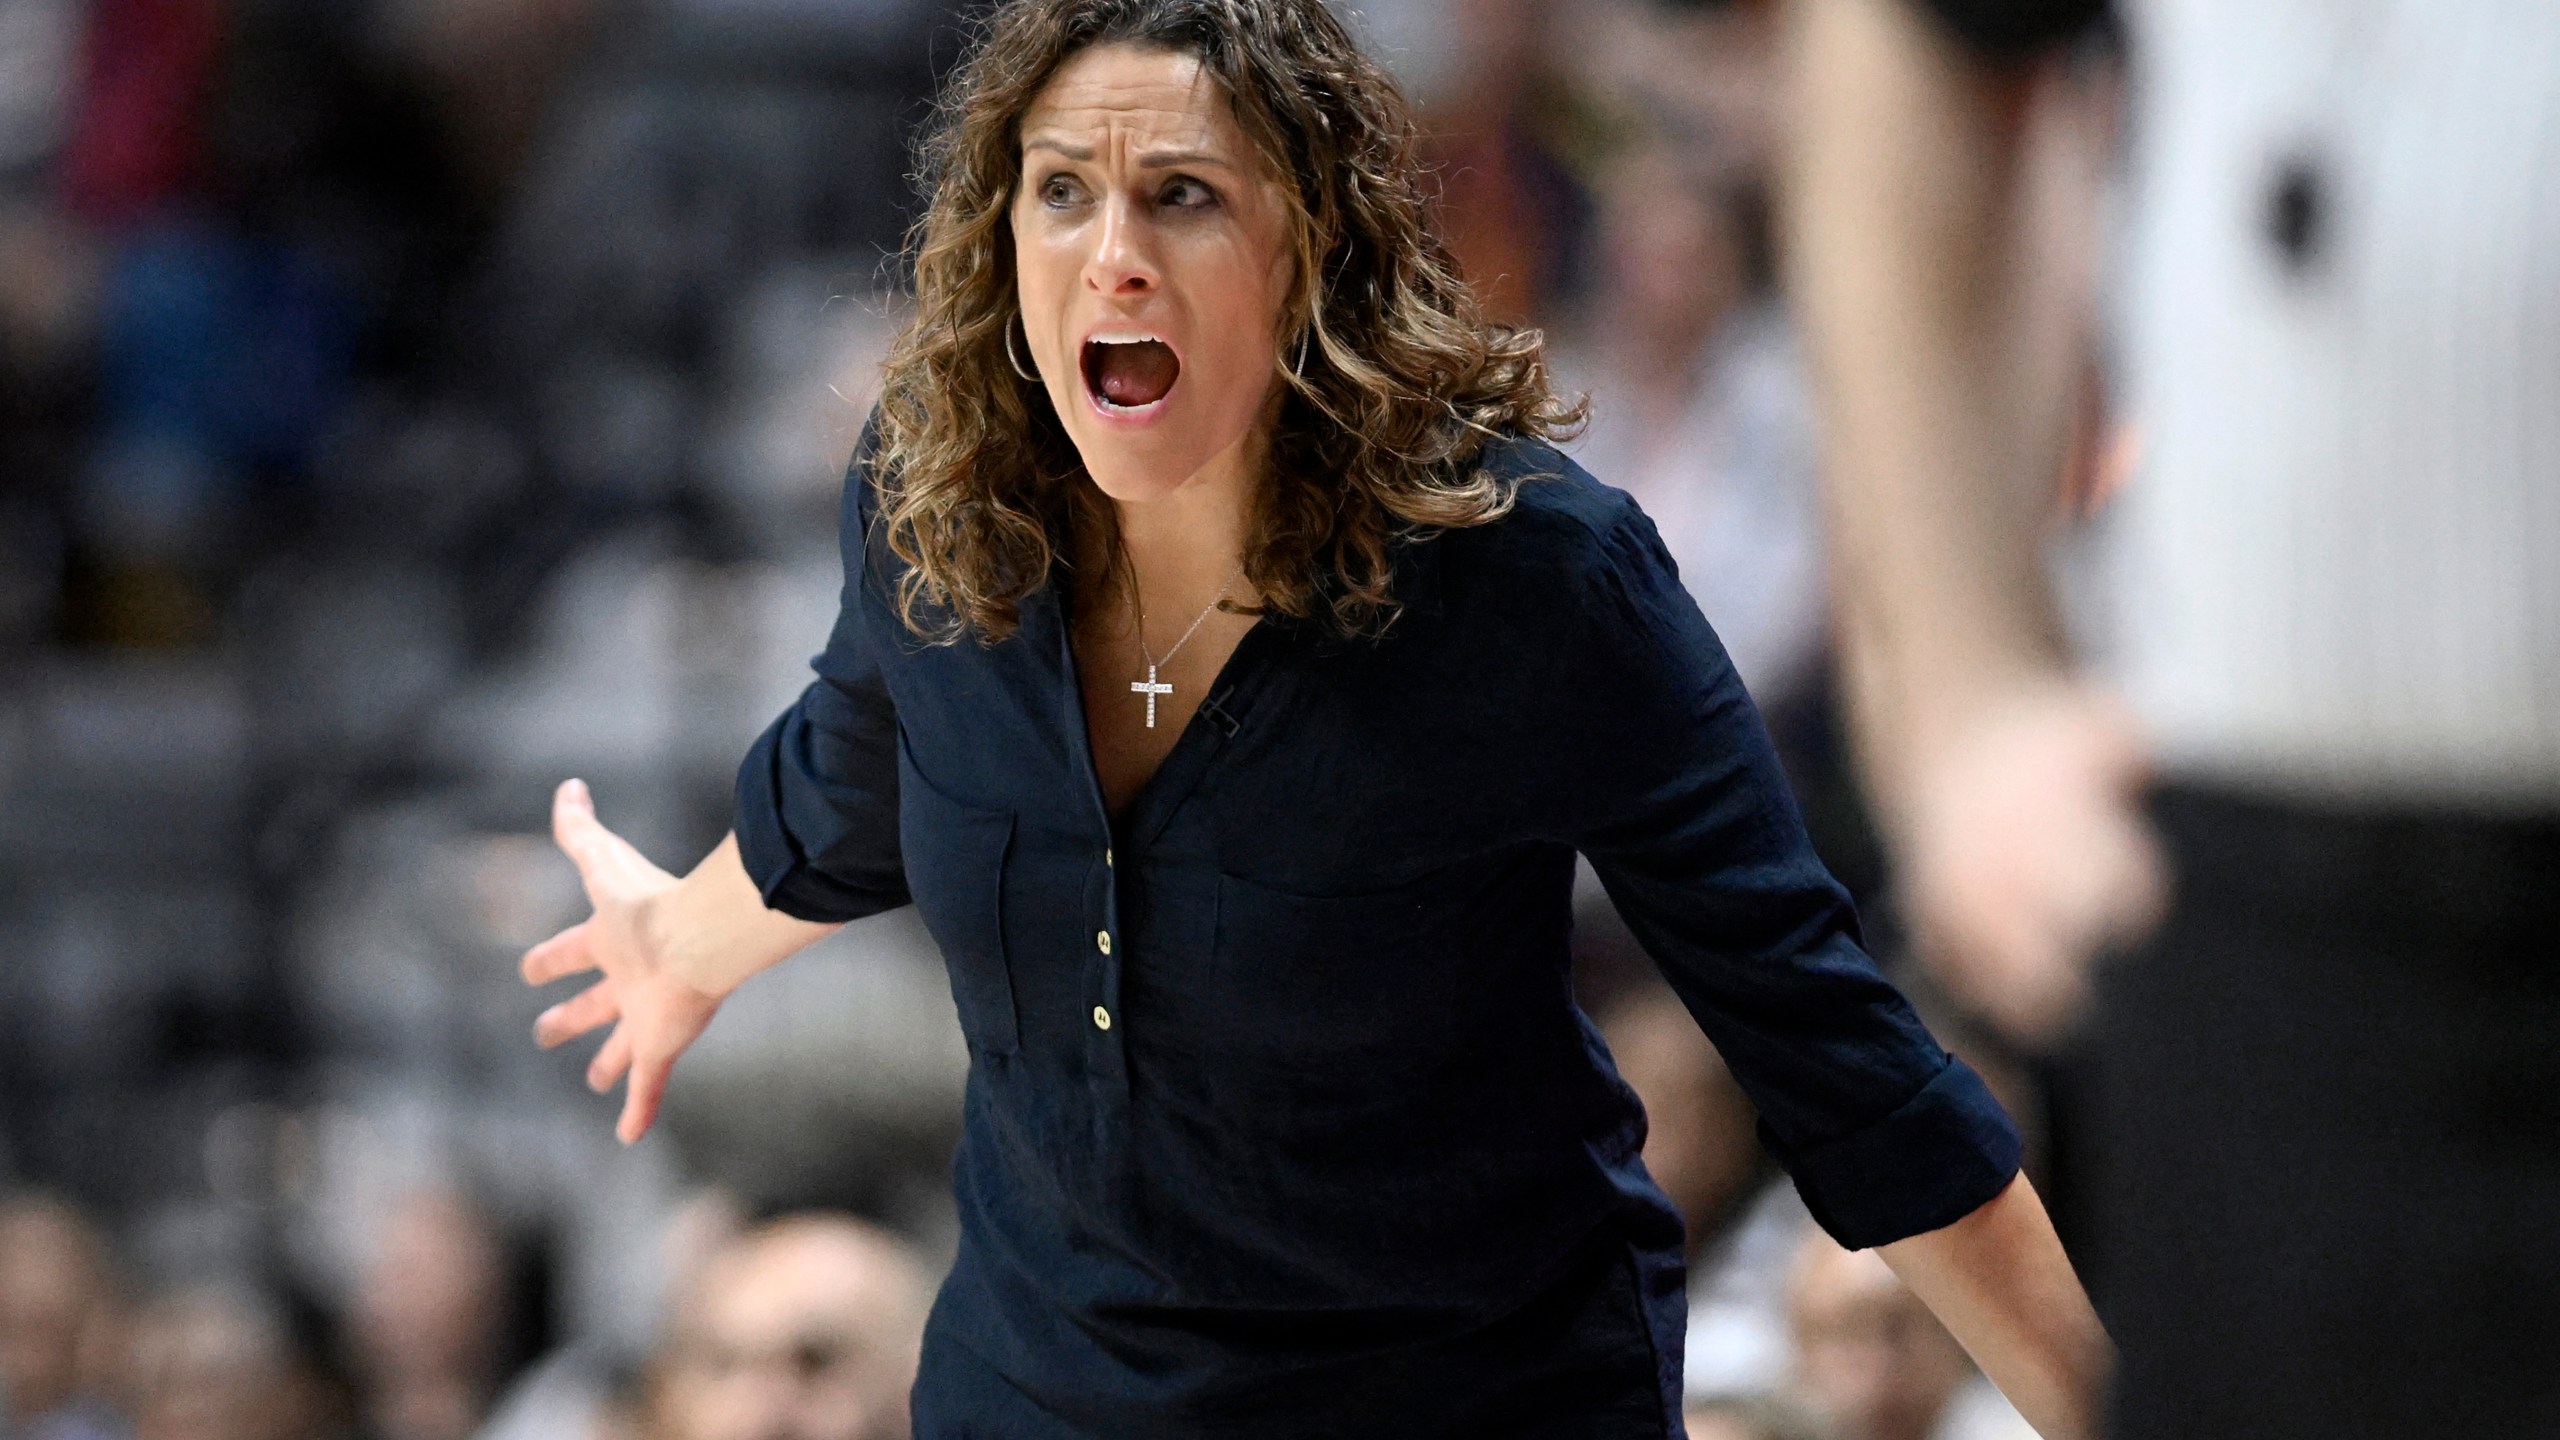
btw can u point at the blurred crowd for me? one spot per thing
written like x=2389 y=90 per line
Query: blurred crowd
x=405 y=404
x=803 y=1327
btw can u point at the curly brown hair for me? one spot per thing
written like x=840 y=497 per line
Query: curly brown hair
x=1404 y=379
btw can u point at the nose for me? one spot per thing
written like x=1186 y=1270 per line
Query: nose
x=1123 y=260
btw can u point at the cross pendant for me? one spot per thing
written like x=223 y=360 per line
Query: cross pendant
x=1151 y=689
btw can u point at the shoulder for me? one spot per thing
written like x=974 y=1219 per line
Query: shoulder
x=862 y=476
x=1566 y=538
x=1572 y=594
x=863 y=530
x=872 y=567
x=1558 y=501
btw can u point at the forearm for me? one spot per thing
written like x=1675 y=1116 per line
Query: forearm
x=1999 y=1281
x=714 y=929
x=1944 y=329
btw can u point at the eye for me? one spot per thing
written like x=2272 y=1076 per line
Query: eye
x=1184 y=193
x=1059 y=191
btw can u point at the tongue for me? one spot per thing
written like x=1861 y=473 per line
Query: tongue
x=1135 y=375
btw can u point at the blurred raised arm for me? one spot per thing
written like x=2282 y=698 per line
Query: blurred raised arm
x=1940 y=242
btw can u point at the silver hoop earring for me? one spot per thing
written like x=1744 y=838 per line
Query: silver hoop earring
x=1300 y=369
x=1015 y=360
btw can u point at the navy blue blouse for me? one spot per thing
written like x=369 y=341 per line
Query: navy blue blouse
x=1295 y=1036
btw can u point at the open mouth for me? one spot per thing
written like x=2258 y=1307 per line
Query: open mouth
x=1129 y=374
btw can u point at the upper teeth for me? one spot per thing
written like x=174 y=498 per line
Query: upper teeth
x=1122 y=339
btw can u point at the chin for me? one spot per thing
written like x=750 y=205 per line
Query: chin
x=1131 y=471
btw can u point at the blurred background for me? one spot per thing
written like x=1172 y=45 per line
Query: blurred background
x=407 y=404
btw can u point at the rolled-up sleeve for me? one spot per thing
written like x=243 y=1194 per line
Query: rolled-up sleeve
x=1677 y=798
x=817 y=797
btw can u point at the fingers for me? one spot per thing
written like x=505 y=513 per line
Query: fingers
x=596 y=1005
x=577 y=831
x=611 y=1061
x=648 y=1083
x=596 y=851
x=640 y=1105
x=566 y=953
x=609 y=867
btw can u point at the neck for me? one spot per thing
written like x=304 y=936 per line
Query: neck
x=1184 y=544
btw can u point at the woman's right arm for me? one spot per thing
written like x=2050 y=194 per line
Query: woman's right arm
x=815 y=844
x=668 y=951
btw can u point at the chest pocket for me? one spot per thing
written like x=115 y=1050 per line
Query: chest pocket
x=955 y=858
x=1348 y=987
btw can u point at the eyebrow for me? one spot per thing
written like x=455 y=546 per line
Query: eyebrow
x=1166 y=159
x=1157 y=160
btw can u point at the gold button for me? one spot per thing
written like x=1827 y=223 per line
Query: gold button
x=1102 y=941
x=1106 y=854
x=1101 y=1018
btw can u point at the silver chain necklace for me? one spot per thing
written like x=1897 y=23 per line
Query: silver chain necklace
x=1151 y=687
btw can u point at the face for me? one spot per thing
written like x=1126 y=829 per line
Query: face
x=1698 y=1140
x=434 y=1298
x=205 y=1369
x=1153 y=253
x=50 y=1298
x=808 y=1336
x=1676 y=258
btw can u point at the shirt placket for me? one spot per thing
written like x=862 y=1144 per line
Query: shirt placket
x=1106 y=957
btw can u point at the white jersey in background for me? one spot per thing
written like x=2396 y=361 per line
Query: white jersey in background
x=2338 y=570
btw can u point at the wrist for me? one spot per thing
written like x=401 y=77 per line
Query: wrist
x=673 y=928
x=713 y=931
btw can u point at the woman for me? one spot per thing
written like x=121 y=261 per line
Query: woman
x=1229 y=671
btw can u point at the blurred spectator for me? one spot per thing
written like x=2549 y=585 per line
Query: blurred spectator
x=57 y=1324
x=218 y=1363
x=806 y=1329
x=492 y=66
x=1503 y=122
x=619 y=1415
x=37 y=41
x=137 y=136
x=430 y=1322
x=1701 y=73
x=48 y=280
x=1873 y=1364
x=595 y=1386
x=1745 y=1223
x=1700 y=408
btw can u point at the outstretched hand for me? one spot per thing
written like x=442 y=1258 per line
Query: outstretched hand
x=654 y=1012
